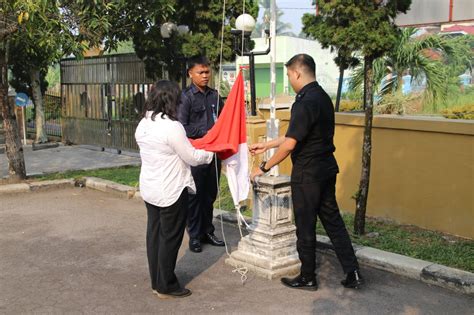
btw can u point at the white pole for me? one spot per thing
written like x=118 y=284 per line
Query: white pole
x=272 y=132
x=24 y=124
x=272 y=60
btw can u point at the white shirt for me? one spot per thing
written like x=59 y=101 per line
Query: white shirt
x=166 y=155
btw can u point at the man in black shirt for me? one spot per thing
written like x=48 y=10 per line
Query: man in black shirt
x=309 y=139
x=198 y=112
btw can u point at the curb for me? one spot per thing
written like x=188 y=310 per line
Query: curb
x=108 y=186
x=434 y=274
x=44 y=146
x=36 y=186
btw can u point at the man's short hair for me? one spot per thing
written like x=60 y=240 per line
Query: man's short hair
x=303 y=61
x=197 y=60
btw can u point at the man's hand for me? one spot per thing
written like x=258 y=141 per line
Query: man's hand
x=256 y=172
x=257 y=148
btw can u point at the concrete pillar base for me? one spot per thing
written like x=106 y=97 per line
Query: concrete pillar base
x=270 y=248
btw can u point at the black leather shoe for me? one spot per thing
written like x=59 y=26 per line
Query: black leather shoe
x=195 y=245
x=353 y=280
x=210 y=238
x=301 y=283
x=180 y=293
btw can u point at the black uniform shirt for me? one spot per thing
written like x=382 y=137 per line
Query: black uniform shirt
x=198 y=111
x=312 y=125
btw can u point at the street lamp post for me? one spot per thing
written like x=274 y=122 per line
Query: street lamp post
x=167 y=29
x=245 y=24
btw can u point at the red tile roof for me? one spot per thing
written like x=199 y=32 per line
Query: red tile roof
x=459 y=28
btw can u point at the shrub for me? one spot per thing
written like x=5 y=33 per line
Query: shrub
x=461 y=112
x=350 y=106
x=397 y=103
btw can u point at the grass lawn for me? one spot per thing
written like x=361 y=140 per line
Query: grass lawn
x=413 y=241
x=124 y=175
x=402 y=239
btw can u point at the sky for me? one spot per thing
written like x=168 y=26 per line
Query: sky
x=293 y=12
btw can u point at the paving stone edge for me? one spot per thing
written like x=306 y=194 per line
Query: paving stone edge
x=434 y=274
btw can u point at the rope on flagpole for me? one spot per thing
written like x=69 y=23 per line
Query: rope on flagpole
x=242 y=271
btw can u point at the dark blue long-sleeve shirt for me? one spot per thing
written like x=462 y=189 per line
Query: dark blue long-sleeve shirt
x=198 y=110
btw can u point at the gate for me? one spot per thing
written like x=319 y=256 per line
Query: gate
x=52 y=115
x=102 y=99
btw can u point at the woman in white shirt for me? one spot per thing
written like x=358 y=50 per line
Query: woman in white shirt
x=165 y=181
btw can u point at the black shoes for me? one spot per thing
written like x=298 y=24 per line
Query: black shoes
x=180 y=293
x=195 y=245
x=301 y=283
x=210 y=238
x=353 y=280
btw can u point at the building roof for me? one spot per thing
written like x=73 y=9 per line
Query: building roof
x=466 y=29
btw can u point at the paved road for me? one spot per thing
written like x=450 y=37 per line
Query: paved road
x=79 y=250
x=66 y=158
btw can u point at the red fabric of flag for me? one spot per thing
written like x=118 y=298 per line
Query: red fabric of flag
x=229 y=131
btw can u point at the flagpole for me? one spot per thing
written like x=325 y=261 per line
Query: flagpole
x=273 y=123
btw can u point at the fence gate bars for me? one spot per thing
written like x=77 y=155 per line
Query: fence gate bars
x=102 y=99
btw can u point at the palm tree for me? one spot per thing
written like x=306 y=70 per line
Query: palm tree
x=421 y=57
x=282 y=29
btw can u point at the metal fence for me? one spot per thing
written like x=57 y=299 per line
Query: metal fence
x=102 y=98
x=52 y=115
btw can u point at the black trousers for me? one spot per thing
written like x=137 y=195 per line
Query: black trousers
x=164 y=235
x=309 y=202
x=201 y=205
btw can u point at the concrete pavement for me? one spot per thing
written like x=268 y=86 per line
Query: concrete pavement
x=67 y=158
x=81 y=250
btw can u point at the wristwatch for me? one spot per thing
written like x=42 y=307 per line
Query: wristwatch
x=262 y=167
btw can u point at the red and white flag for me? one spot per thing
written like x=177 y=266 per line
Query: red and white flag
x=228 y=138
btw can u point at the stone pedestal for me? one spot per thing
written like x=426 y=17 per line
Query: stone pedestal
x=270 y=248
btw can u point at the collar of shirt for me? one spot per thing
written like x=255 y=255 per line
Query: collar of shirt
x=305 y=89
x=196 y=90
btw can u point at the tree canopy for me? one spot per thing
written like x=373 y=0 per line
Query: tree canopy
x=367 y=28
x=141 y=21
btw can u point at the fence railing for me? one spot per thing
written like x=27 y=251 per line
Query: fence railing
x=52 y=115
x=102 y=98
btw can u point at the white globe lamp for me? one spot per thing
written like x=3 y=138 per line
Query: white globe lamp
x=167 y=29
x=245 y=22
x=183 y=29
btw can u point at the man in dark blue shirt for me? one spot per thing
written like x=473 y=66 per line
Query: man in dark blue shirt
x=198 y=111
x=309 y=139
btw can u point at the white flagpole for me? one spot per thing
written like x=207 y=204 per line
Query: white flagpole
x=272 y=125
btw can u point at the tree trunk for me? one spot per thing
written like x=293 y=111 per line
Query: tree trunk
x=339 y=88
x=39 y=109
x=14 y=150
x=361 y=200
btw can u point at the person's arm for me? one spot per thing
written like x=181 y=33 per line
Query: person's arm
x=284 y=149
x=180 y=144
x=301 y=122
x=184 y=112
x=261 y=147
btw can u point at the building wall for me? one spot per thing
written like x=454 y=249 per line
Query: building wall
x=422 y=170
x=435 y=12
x=262 y=77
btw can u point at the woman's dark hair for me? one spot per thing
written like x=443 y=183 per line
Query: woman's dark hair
x=164 y=97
